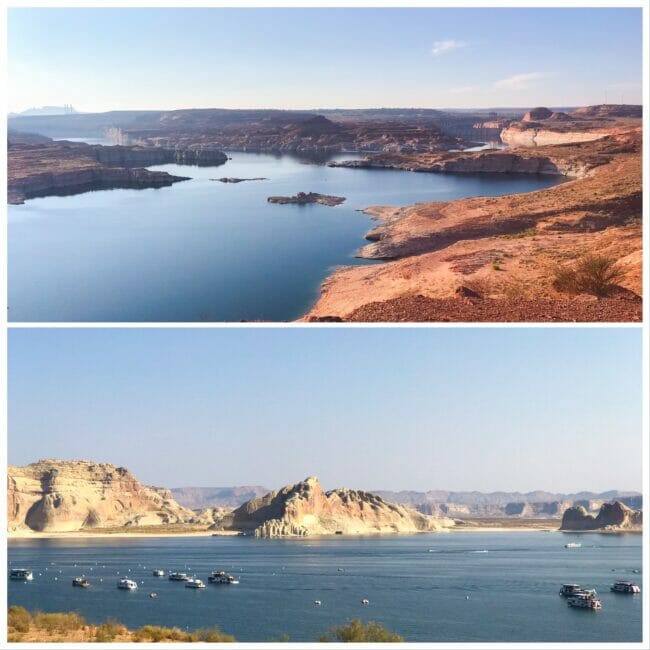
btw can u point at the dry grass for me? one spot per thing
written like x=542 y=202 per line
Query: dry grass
x=70 y=627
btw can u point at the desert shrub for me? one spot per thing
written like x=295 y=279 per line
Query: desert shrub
x=58 y=622
x=593 y=274
x=496 y=266
x=108 y=631
x=156 y=634
x=18 y=619
x=213 y=635
x=358 y=632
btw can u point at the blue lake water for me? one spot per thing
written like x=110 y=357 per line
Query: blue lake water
x=428 y=587
x=208 y=251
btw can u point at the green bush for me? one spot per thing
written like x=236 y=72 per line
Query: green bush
x=358 y=632
x=593 y=274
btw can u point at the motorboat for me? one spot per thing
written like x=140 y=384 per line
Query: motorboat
x=222 y=578
x=81 y=581
x=178 y=576
x=127 y=584
x=569 y=589
x=158 y=573
x=195 y=583
x=21 y=574
x=625 y=587
x=573 y=545
x=584 y=599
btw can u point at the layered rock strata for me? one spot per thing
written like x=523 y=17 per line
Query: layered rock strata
x=305 y=509
x=62 y=496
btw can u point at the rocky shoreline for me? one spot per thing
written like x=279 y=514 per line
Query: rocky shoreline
x=502 y=248
x=43 y=167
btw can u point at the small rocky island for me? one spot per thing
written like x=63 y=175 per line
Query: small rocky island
x=238 y=180
x=303 y=198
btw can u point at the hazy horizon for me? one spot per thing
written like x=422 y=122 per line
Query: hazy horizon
x=355 y=58
x=462 y=409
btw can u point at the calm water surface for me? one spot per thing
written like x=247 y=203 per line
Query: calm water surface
x=417 y=585
x=208 y=251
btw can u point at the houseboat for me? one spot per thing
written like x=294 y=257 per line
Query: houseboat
x=177 y=576
x=625 y=587
x=222 y=578
x=21 y=574
x=569 y=589
x=585 y=599
x=195 y=583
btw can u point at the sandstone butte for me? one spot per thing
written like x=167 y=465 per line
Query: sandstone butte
x=494 y=259
x=305 y=509
x=612 y=517
x=55 y=496
x=61 y=496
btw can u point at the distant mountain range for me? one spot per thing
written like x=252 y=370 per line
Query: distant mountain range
x=536 y=503
x=46 y=110
x=197 y=498
x=498 y=498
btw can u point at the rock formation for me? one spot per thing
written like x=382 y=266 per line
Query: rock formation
x=59 y=167
x=302 y=198
x=614 y=516
x=305 y=509
x=540 y=126
x=293 y=133
x=430 y=249
x=535 y=114
x=59 y=496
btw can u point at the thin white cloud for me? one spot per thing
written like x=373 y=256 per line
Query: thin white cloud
x=519 y=81
x=440 y=47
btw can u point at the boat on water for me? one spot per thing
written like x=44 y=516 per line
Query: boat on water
x=178 y=576
x=584 y=599
x=21 y=574
x=195 y=583
x=222 y=578
x=158 y=573
x=569 y=589
x=127 y=584
x=625 y=587
x=573 y=545
x=81 y=581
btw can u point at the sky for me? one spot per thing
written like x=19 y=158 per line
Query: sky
x=106 y=59
x=513 y=409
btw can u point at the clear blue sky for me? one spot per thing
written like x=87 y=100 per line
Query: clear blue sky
x=103 y=59
x=483 y=409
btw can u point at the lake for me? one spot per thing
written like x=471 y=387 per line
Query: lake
x=202 y=250
x=460 y=586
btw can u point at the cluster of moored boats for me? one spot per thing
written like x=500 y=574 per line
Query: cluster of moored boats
x=579 y=597
x=576 y=596
x=191 y=582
